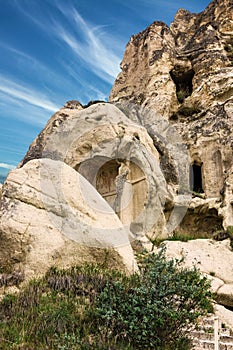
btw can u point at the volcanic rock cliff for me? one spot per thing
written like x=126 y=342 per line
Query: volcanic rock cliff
x=186 y=64
x=184 y=73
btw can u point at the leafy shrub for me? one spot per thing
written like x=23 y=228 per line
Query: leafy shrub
x=155 y=310
x=230 y=231
x=90 y=307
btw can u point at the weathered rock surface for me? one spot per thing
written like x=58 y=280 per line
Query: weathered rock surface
x=50 y=215
x=225 y=315
x=184 y=73
x=212 y=258
x=171 y=118
x=164 y=66
x=117 y=156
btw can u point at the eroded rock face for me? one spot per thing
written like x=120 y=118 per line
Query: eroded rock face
x=215 y=259
x=184 y=73
x=117 y=156
x=165 y=66
x=51 y=215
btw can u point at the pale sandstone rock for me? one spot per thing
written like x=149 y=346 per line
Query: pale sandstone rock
x=225 y=315
x=117 y=156
x=47 y=220
x=212 y=258
x=191 y=47
x=225 y=295
x=184 y=73
x=227 y=210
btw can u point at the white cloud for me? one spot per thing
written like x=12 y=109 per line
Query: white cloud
x=7 y=166
x=89 y=91
x=26 y=94
x=96 y=48
x=92 y=50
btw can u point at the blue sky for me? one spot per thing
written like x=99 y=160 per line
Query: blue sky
x=53 y=51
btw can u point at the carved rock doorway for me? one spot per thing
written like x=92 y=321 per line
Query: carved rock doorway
x=123 y=185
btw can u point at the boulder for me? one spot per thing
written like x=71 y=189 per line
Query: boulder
x=51 y=215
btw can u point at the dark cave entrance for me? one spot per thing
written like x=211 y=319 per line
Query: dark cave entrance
x=183 y=81
x=196 y=178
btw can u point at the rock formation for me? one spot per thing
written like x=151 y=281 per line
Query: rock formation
x=215 y=259
x=184 y=73
x=51 y=215
x=155 y=160
x=117 y=156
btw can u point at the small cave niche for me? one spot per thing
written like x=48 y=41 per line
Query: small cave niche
x=201 y=223
x=183 y=80
x=196 y=184
x=228 y=307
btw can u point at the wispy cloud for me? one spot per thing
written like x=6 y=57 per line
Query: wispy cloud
x=27 y=94
x=13 y=109
x=89 y=43
x=7 y=166
x=89 y=90
x=91 y=49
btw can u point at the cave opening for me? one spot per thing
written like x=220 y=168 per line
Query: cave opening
x=196 y=178
x=183 y=80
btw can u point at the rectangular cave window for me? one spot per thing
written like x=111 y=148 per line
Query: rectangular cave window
x=196 y=178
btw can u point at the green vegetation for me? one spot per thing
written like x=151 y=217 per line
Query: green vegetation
x=181 y=95
x=198 y=194
x=178 y=236
x=230 y=233
x=90 y=307
x=183 y=237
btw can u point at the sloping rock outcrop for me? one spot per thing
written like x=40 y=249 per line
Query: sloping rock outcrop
x=51 y=215
x=212 y=258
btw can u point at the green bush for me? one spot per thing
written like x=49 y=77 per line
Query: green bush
x=90 y=307
x=230 y=231
x=155 y=310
